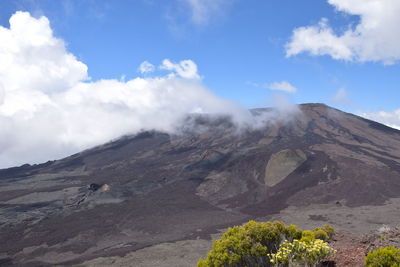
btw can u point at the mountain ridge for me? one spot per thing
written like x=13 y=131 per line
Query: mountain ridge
x=153 y=187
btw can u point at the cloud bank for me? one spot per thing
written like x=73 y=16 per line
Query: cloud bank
x=375 y=38
x=49 y=107
x=389 y=118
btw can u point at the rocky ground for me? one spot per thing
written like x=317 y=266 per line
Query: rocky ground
x=350 y=249
x=358 y=231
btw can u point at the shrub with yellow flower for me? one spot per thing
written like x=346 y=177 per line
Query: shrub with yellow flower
x=268 y=243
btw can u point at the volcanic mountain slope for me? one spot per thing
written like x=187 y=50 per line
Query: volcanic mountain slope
x=153 y=187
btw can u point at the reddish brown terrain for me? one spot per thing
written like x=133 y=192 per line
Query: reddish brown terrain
x=147 y=193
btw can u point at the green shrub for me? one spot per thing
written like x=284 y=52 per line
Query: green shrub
x=329 y=230
x=324 y=233
x=307 y=236
x=383 y=257
x=321 y=234
x=293 y=232
x=258 y=244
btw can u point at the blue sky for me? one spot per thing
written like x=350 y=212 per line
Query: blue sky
x=70 y=76
x=239 y=44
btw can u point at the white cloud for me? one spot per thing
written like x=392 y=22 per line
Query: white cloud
x=203 y=10
x=284 y=105
x=49 y=108
x=146 y=67
x=29 y=50
x=374 y=38
x=2 y=93
x=277 y=86
x=186 y=68
x=389 y=118
x=282 y=86
x=341 y=96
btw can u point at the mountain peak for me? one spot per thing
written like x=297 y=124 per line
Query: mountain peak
x=154 y=187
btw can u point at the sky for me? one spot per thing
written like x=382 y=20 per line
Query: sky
x=78 y=73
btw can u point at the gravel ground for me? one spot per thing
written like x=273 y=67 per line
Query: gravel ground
x=351 y=223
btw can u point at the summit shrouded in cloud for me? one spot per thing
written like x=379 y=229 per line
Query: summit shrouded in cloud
x=49 y=104
x=74 y=75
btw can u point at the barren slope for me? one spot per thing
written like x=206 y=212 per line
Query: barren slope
x=154 y=188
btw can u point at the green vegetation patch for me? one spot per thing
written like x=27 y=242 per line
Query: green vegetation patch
x=268 y=244
x=383 y=257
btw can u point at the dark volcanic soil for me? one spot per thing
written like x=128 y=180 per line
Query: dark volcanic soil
x=154 y=188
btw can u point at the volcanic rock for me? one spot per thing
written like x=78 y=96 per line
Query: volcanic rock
x=154 y=188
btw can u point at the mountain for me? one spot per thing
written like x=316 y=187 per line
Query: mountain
x=152 y=188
